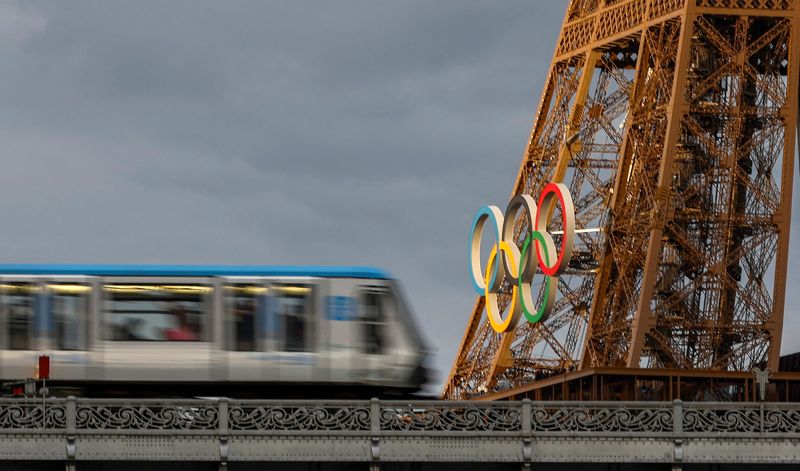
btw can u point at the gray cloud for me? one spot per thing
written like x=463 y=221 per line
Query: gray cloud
x=354 y=132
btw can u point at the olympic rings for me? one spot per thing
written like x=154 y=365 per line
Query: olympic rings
x=506 y=262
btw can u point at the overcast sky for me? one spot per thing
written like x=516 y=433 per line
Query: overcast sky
x=272 y=132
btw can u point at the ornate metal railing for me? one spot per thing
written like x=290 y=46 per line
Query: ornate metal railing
x=299 y=416
x=246 y=417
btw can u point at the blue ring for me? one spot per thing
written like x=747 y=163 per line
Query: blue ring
x=483 y=211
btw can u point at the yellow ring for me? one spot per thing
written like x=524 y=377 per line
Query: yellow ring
x=497 y=322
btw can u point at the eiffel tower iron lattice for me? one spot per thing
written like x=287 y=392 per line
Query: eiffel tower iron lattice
x=672 y=123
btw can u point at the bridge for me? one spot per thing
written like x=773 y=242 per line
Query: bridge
x=96 y=434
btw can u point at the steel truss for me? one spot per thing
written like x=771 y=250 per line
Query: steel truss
x=673 y=124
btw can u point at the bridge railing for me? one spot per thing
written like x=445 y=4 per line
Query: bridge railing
x=388 y=418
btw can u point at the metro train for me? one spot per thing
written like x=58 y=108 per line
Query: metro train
x=237 y=331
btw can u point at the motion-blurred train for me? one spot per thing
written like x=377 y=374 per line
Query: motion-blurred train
x=237 y=331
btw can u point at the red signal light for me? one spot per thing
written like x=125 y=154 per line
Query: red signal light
x=43 y=367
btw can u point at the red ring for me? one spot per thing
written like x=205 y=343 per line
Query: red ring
x=551 y=188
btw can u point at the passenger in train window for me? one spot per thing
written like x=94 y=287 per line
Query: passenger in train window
x=184 y=331
x=156 y=312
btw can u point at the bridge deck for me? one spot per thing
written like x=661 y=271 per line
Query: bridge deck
x=398 y=431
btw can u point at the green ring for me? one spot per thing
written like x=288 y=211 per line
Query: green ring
x=534 y=317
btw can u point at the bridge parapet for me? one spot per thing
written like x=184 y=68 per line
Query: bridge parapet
x=398 y=431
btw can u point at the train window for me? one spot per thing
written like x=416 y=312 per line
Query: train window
x=152 y=312
x=374 y=318
x=242 y=302
x=294 y=309
x=19 y=306
x=69 y=308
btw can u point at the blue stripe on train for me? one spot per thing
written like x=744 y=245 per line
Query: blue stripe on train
x=195 y=270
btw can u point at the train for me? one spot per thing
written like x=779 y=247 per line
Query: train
x=235 y=331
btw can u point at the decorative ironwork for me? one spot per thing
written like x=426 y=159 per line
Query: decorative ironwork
x=603 y=419
x=588 y=23
x=716 y=419
x=378 y=417
x=726 y=420
x=32 y=415
x=781 y=421
x=146 y=416
x=440 y=418
x=621 y=18
x=754 y=4
x=659 y=8
x=311 y=417
x=576 y=36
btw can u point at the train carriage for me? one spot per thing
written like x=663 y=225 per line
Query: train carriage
x=210 y=330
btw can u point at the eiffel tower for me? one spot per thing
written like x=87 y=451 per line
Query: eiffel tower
x=672 y=123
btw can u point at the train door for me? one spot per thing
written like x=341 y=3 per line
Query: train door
x=21 y=312
x=69 y=304
x=375 y=312
x=292 y=327
x=157 y=329
x=244 y=309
